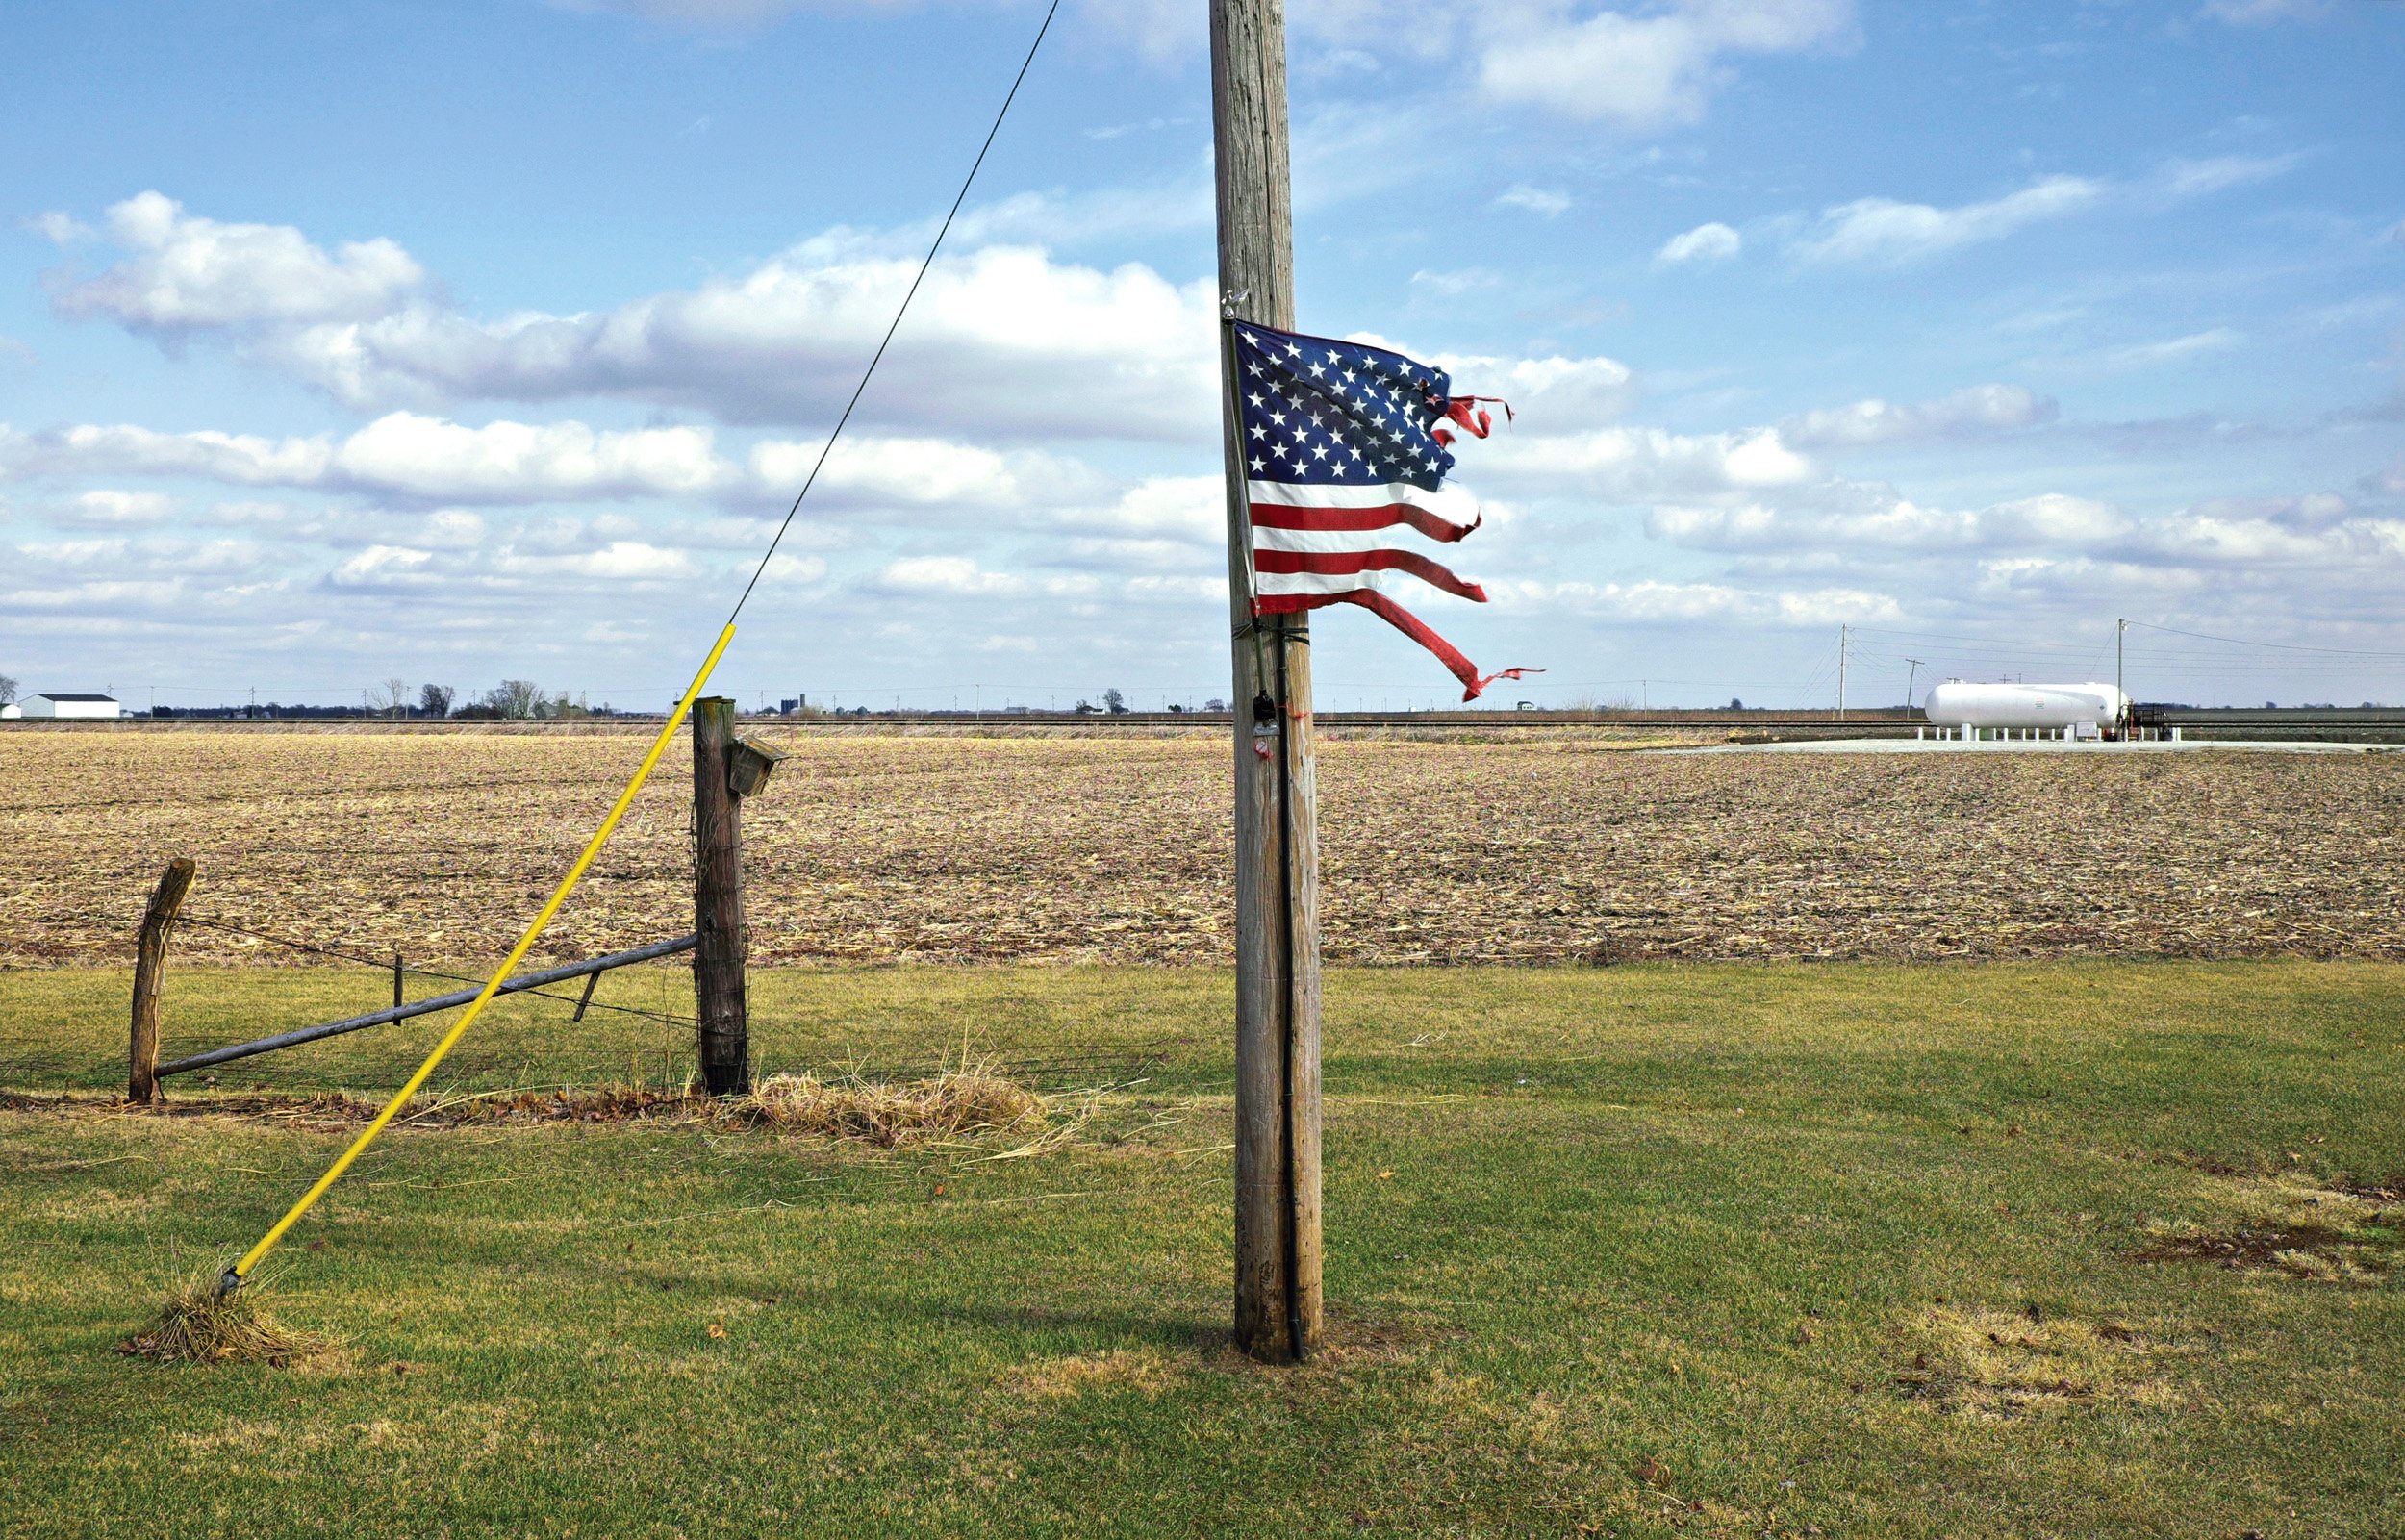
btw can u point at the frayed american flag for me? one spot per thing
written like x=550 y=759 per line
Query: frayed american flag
x=1342 y=442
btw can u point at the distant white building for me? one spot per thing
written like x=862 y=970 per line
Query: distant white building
x=62 y=707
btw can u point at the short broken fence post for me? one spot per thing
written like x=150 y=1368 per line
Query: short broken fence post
x=150 y=963
x=718 y=964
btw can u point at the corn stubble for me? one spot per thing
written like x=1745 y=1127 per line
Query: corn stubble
x=957 y=849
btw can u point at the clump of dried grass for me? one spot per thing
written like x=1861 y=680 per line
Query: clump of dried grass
x=966 y=1100
x=201 y=1325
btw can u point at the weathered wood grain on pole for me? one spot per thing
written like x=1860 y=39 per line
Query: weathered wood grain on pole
x=718 y=968
x=1278 y=984
x=150 y=963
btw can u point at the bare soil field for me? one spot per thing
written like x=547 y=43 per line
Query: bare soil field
x=870 y=848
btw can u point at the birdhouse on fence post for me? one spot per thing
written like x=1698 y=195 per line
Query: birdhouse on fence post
x=750 y=764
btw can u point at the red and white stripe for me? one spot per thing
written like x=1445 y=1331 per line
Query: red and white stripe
x=1314 y=546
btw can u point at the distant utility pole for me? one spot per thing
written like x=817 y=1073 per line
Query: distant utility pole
x=1910 y=677
x=2120 y=636
x=1278 y=940
x=1841 y=674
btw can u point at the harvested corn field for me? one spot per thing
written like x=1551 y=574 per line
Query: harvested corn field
x=971 y=850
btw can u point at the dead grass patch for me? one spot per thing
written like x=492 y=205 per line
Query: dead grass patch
x=1978 y=1362
x=1149 y=1371
x=2290 y=1226
x=200 y=1325
x=969 y=1103
x=965 y=1100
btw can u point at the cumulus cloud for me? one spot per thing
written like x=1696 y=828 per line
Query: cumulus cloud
x=400 y=454
x=1978 y=409
x=1005 y=335
x=1884 y=232
x=620 y=559
x=1637 y=465
x=1887 y=232
x=104 y=508
x=187 y=272
x=1646 y=70
x=1547 y=395
x=1706 y=242
x=917 y=472
x=383 y=567
x=962 y=577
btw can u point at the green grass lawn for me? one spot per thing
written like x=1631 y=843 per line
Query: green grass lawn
x=1708 y=1250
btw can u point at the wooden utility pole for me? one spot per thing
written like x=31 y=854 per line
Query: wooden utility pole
x=150 y=964
x=718 y=965
x=1841 y=639
x=1278 y=933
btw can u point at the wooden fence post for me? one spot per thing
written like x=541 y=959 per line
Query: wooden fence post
x=150 y=964
x=718 y=967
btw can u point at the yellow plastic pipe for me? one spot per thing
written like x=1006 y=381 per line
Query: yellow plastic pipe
x=234 y=1275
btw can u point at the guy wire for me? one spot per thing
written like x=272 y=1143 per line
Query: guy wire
x=903 y=308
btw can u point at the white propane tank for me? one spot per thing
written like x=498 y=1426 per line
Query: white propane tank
x=1963 y=703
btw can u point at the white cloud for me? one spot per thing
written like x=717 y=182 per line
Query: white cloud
x=2170 y=351
x=1192 y=508
x=400 y=454
x=1005 y=335
x=1706 y=242
x=1194 y=590
x=946 y=574
x=383 y=567
x=2263 y=13
x=58 y=228
x=1454 y=284
x=620 y=559
x=1888 y=526
x=1661 y=603
x=1644 y=71
x=190 y=272
x=109 y=508
x=1975 y=410
x=1637 y=465
x=1883 y=231
x=1547 y=395
x=893 y=470
x=2188 y=179
x=783 y=568
x=1535 y=200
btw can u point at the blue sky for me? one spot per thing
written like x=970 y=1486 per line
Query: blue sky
x=456 y=341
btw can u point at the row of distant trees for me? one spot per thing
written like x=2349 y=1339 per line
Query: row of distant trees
x=510 y=700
